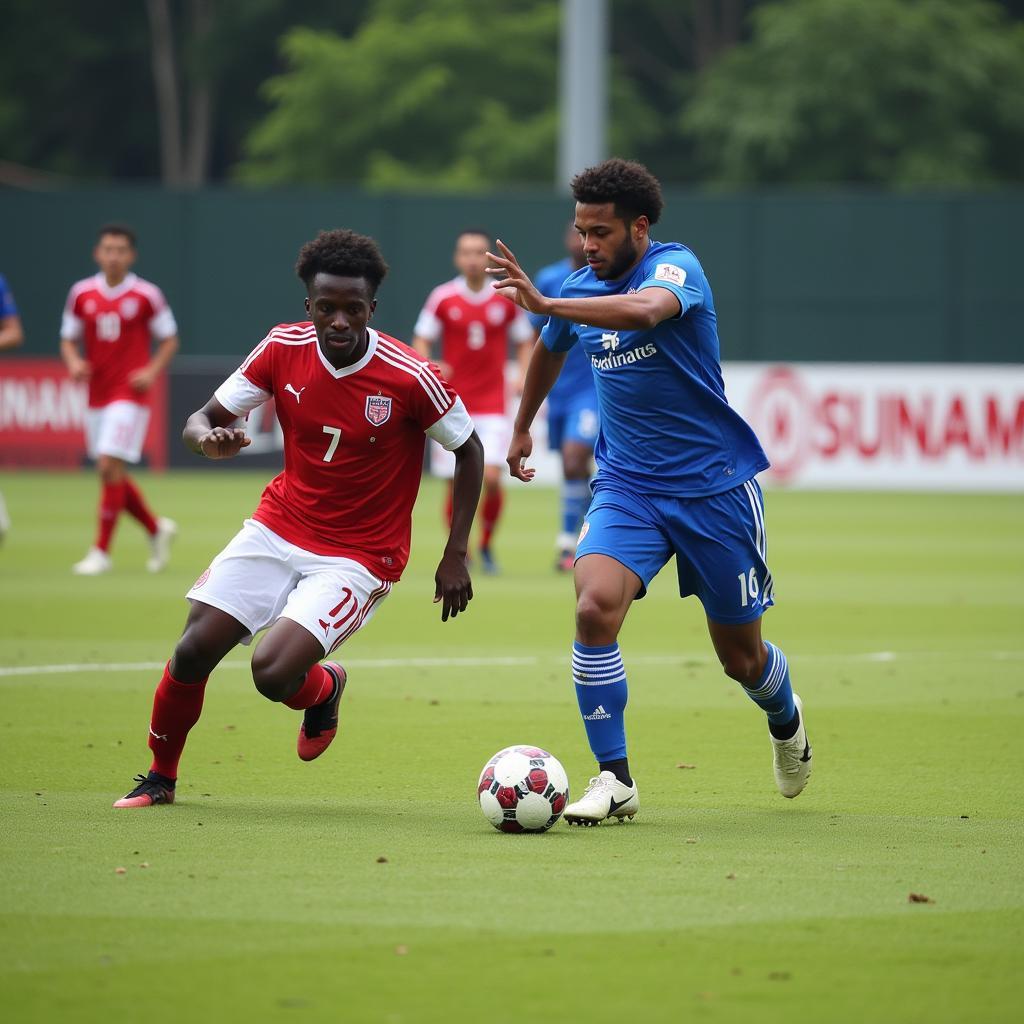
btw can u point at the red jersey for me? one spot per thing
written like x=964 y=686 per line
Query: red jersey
x=353 y=442
x=116 y=325
x=474 y=329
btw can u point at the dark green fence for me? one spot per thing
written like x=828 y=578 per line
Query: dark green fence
x=825 y=276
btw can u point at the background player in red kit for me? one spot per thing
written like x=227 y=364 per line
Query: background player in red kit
x=331 y=533
x=472 y=326
x=114 y=314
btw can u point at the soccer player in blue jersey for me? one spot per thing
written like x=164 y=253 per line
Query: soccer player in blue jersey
x=11 y=336
x=676 y=471
x=572 y=409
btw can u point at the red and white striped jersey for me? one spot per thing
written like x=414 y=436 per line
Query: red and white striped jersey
x=474 y=329
x=353 y=441
x=115 y=326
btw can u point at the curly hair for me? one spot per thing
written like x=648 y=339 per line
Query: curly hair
x=343 y=253
x=627 y=184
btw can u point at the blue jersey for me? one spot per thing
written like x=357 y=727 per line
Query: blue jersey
x=576 y=377
x=7 y=306
x=666 y=426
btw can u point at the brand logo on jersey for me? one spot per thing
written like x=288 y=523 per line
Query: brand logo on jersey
x=378 y=409
x=202 y=579
x=129 y=307
x=613 y=361
x=297 y=394
x=671 y=273
x=455 y=313
x=610 y=342
x=90 y=307
x=583 y=532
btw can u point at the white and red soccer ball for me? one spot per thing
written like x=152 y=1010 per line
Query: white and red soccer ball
x=523 y=789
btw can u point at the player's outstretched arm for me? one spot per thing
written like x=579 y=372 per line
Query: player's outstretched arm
x=452 y=585
x=638 y=312
x=541 y=374
x=211 y=431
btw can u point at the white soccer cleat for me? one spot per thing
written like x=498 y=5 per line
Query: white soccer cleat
x=5 y=519
x=793 y=758
x=95 y=563
x=605 y=797
x=160 y=544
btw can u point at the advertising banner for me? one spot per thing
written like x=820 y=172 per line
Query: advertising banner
x=42 y=417
x=912 y=426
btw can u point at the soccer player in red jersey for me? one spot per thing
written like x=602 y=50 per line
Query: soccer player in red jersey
x=330 y=536
x=114 y=314
x=473 y=325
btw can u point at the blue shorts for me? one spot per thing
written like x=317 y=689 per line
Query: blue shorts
x=574 y=420
x=719 y=543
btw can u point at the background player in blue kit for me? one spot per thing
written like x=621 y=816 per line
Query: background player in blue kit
x=676 y=468
x=572 y=410
x=11 y=336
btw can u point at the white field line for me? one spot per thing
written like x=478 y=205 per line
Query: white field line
x=510 y=662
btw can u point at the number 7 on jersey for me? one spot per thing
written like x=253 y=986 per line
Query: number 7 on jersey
x=335 y=433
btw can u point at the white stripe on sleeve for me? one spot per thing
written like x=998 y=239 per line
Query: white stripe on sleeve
x=453 y=428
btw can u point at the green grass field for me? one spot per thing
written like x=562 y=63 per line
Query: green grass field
x=261 y=895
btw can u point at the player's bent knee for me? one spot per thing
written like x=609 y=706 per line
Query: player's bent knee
x=597 y=618
x=273 y=680
x=193 y=660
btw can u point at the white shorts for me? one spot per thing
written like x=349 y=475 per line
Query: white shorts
x=495 y=433
x=260 y=577
x=118 y=430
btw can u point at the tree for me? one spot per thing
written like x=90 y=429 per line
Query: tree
x=922 y=92
x=453 y=94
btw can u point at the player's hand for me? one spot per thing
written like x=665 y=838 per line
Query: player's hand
x=513 y=282
x=79 y=370
x=453 y=589
x=519 y=451
x=141 y=380
x=223 y=442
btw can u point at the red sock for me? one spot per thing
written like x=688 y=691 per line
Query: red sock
x=315 y=689
x=449 y=509
x=176 y=708
x=111 y=502
x=135 y=505
x=493 y=501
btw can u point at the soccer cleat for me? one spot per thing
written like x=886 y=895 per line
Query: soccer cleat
x=793 y=758
x=5 y=519
x=153 y=788
x=566 y=561
x=95 y=563
x=160 y=544
x=320 y=722
x=605 y=797
x=488 y=563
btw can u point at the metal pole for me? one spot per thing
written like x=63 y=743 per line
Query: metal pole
x=583 y=87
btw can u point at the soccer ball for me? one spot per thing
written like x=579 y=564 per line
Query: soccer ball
x=523 y=789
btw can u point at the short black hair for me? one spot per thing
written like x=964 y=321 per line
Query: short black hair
x=475 y=231
x=115 y=228
x=343 y=253
x=627 y=184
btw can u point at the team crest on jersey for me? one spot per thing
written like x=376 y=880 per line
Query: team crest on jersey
x=129 y=307
x=90 y=307
x=495 y=313
x=378 y=409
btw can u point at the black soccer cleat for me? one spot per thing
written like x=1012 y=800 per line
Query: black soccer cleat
x=320 y=722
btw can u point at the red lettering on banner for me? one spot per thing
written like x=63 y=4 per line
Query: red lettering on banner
x=931 y=421
x=1002 y=435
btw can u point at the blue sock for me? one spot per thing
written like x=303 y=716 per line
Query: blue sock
x=575 y=502
x=773 y=693
x=601 y=692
